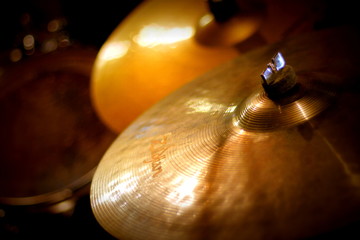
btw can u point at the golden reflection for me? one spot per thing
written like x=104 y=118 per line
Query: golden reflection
x=29 y=42
x=124 y=184
x=114 y=50
x=231 y=109
x=202 y=105
x=302 y=111
x=241 y=132
x=183 y=194
x=63 y=206
x=205 y=20
x=154 y=35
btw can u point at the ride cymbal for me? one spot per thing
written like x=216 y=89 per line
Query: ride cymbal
x=222 y=158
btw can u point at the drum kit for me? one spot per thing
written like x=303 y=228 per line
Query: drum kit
x=233 y=120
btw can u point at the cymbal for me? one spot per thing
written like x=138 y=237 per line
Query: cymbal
x=150 y=54
x=222 y=158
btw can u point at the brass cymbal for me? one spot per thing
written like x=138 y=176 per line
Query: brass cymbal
x=150 y=54
x=222 y=158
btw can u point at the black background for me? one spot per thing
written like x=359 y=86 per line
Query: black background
x=89 y=22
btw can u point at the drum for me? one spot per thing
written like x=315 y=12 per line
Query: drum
x=51 y=139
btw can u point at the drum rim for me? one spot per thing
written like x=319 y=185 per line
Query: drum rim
x=53 y=196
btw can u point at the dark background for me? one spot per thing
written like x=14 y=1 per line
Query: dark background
x=88 y=22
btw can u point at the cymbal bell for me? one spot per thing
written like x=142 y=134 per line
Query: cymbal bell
x=220 y=158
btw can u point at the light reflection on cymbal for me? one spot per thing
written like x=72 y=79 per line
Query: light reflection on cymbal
x=238 y=164
x=204 y=105
x=184 y=194
x=114 y=50
x=206 y=19
x=154 y=35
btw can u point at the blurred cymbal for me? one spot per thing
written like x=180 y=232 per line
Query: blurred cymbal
x=150 y=54
x=219 y=159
